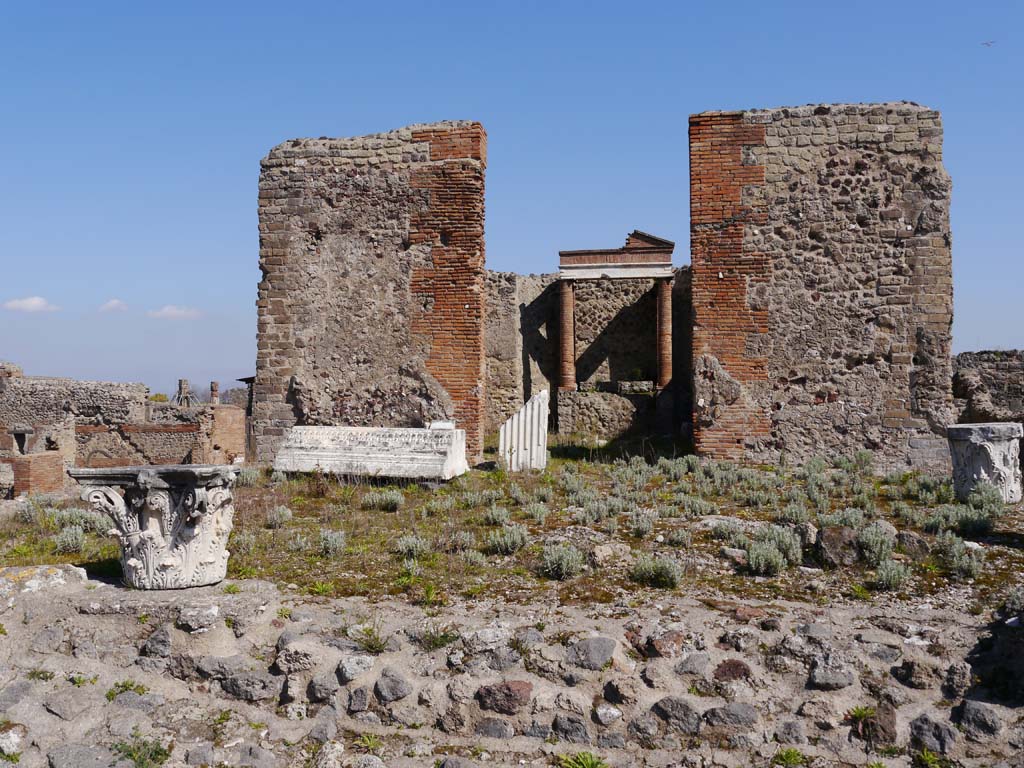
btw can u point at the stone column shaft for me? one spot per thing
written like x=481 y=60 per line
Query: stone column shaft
x=566 y=336
x=664 y=333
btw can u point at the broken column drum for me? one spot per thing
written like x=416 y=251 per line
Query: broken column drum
x=986 y=453
x=523 y=439
x=173 y=522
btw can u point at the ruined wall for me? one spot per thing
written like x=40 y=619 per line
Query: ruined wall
x=370 y=311
x=822 y=287
x=615 y=341
x=521 y=335
x=989 y=386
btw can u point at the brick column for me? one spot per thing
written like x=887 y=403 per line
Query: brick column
x=566 y=336
x=664 y=333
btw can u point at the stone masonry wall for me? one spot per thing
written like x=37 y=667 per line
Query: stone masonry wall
x=370 y=311
x=822 y=285
x=108 y=424
x=990 y=385
x=616 y=330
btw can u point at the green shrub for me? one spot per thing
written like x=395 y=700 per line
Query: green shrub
x=508 y=540
x=656 y=571
x=561 y=561
x=142 y=753
x=692 y=506
x=440 y=505
x=277 y=477
x=297 y=542
x=87 y=520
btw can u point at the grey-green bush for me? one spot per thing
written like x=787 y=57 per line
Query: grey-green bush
x=247 y=477
x=875 y=544
x=785 y=540
x=332 y=543
x=764 y=559
x=640 y=524
x=561 y=561
x=69 y=541
x=411 y=546
x=278 y=517
x=507 y=540
x=496 y=516
x=537 y=512
x=959 y=560
x=389 y=500
x=661 y=572
x=679 y=537
x=890 y=576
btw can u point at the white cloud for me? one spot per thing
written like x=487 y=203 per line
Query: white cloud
x=114 y=305
x=172 y=312
x=30 y=304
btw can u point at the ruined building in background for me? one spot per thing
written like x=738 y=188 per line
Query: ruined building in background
x=822 y=283
x=48 y=425
x=815 y=320
x=371 y=307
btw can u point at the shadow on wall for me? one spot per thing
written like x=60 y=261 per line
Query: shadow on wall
x=627 y=343
x=538 y=323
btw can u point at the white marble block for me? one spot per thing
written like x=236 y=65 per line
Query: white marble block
x=173 y=521
x=988 y=453
x=523 y=439
x=438 y=453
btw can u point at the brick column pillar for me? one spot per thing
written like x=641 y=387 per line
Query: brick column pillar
x=664 y=333
x=566 y=336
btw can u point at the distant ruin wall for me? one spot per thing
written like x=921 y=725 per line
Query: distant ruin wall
x=822 y=283
x=371 y=307
x=989 y=386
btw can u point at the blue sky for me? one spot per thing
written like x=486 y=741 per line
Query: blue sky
x=133 y=132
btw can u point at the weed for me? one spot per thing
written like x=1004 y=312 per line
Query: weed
x=43 y=675
x=794 y=514
x=231 y=589
x=785 y=540
x=143 y=753
x=679 y=537
x=248 y=477
x=87 y=520
x=370 y=742
x=859 y=592
x=369 y=638
x=124 y=686
x=581 y=760
x=243 y=542
x=561 y=561
x=321 y=588
x=435 y=636
x=640 y=524
x=789 y=757
x=79 y=680
x=537 y=512
x=958 y=560
x=764 y=559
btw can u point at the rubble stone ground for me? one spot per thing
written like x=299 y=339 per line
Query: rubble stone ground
x=402 y=653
